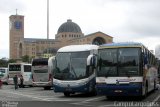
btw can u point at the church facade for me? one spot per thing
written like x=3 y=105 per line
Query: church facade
x=69 y=33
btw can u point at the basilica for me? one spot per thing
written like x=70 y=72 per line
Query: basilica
x=69 y=33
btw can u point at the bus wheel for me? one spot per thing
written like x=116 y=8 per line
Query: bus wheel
x=67 y=94
x=30 y=85
x=155 y=85
x=6 y=83
x=47 y=88
x=110 y=97
x=146 y=91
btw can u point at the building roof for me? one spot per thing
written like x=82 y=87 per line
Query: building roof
x=90 y=35
x=69 y=26
x=97 y=32
x=39 y=39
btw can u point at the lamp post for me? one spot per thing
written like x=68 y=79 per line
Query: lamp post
x=47 y=19
x=48 y=28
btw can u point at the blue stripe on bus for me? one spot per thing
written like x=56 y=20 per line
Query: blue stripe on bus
x=119 y=90
x=81 y=88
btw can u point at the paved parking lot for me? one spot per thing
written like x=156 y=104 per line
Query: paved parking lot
x=37 y=96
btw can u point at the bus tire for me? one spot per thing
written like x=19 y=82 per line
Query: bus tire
x=30 y=85
x=6 y=83
x=146 y=90
x=67 y=94
x=110 y=97
x=47 y=88
x=155 y=85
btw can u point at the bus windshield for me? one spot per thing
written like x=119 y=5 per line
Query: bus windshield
x=71 y=66
x=119 y=62
x=40 y=62
x=27 y=68
x=14 y=67
x=2 y=71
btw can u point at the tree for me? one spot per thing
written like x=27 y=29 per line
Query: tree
x=25 y=58
x=12 y=61
x=3 y=63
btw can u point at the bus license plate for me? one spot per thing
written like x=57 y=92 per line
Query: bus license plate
x=118 y=91
x=68 y=89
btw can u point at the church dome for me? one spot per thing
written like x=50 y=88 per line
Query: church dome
x=69 y=26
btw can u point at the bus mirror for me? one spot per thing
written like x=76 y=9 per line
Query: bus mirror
x=54 y=62
x=91 y=60
x=51 y=64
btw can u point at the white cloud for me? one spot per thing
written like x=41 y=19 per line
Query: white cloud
x=125 y=20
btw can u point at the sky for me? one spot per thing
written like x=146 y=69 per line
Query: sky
x=124 y=20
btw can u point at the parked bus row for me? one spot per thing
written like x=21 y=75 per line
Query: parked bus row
x=126 y=69
x=34 y=74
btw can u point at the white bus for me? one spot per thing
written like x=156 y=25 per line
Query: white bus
x=20 y=69
x=4 y=75
x=41 y=75
x=74 y=69
x=125 y=69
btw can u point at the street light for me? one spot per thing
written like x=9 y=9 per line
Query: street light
x=48 y=28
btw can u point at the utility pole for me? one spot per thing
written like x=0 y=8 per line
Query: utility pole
x=48 y=28
x=47 y=19
x=16 y=11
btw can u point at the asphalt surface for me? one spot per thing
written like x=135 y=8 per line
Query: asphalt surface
x=38 y=97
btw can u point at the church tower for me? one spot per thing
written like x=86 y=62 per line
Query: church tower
x=16 y=35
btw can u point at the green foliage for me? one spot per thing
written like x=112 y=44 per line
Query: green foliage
x=25 y=58
x=12 y=61
x=3 y=63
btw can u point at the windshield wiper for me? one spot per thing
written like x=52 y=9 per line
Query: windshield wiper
x=126 y=73
x=72 y=69
x=106 y=75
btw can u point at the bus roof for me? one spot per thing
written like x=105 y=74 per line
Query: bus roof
x=19 y=64
x=76 y=48
x=121 y=44
x=40 y=59
x=3 y=68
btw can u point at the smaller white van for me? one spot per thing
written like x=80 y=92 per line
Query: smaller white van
x=4 y=75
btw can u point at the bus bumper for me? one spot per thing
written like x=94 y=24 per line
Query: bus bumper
x=70 y=89
x=42 y=84
x=29 y=83
x=74 y=89
x=119 y=90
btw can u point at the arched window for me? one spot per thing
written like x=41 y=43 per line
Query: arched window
x=98 y=41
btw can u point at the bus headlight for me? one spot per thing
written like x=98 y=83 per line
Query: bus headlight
x=55 y=82
x=136 y=83
x=82 y=83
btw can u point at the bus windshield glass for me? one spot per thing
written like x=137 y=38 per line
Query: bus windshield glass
x=2 y=71
x=27 y=68
x=71 y=66
x=119 y=62
x=14 y=67
x=41 y=71
x=128 y=61
x=40 y=62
